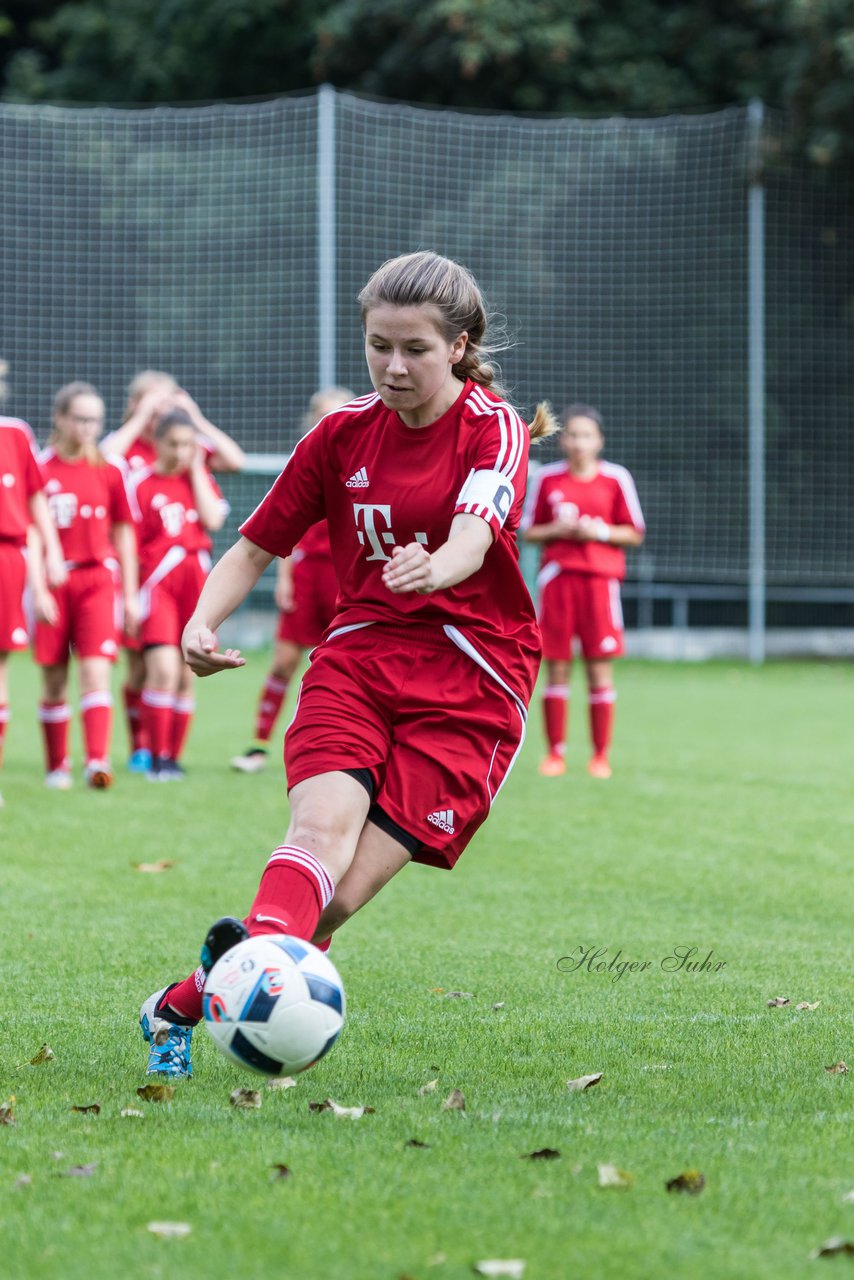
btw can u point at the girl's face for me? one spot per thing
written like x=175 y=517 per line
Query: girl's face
x=176 y=449
x=410 y=362
x=581 y=441
x=81 y=424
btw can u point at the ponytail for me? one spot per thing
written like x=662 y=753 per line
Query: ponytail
x=543 y=423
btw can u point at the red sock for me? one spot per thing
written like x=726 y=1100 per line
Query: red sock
x=294 y=889
x=54 y=718
x=4 y=720
x=269 y=706
x=97 y=711
x=325 y=944
x=602 y=717
x=555 y=710
x=182 y=718
x=157 y=713
x=185 y=998
x=137 y=735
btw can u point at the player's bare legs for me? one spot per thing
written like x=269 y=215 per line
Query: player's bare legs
x=286 y=660
x=555 y=713
x=602 y=696
x=377 y=859
x=54 y=717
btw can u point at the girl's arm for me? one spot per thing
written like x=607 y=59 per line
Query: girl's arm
x=230 y=582
x=124 y=541
x=152 y=405
x=227 y=454
x=208 y=502
x=414 y=568
x=54 y=561
x=594 y=529
x=550 y=532
x=46 y=609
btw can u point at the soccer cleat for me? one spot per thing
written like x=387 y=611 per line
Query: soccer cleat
x=165 y=769
x=140 y=761
x=252 y=761
x=58 y=780
x=553 y=766
x=99 y=775
x=221 y=937
x=169 y=1043
x=598 y=767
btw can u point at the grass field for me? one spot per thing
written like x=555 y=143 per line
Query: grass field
x=727 y=827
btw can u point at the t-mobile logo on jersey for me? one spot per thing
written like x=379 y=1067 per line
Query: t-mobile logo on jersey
x=370 y=517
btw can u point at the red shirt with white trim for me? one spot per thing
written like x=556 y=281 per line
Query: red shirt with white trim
x=85 y=500
x=381 y=484
x=166 y=516
x=20 y=478
x=610 y=495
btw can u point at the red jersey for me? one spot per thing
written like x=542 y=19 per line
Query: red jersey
x=381 y=484
x=142 y=454
x=167 y=518
x=20 y=478
x=610 y=495
x=85 y=500
x=314 y=544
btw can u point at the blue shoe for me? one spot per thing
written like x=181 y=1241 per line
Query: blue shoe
x=169 y=1052
x=140 y=761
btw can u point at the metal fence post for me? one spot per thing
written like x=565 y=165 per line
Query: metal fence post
x=327 y=357
x=756 y=386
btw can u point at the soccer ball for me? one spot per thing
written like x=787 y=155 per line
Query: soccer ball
x=274 y=1003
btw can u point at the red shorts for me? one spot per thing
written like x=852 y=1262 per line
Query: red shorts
x=168 y=603
x=315 y=596
x=13 y=577
x=87 y=619
x=583 y=605
x=438 y=734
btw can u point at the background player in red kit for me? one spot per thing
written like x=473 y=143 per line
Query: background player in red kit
x=306 y=594
x=24 y=519
x=151 y=394
x=583 y=512
x=87 y=499
x=413 y=708
x=177 y=504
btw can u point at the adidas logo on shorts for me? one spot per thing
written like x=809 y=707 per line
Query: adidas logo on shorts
x=443 y=819
x=359 y=479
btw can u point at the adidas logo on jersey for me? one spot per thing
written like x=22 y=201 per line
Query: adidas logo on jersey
x=359 y=479
x=443 y=819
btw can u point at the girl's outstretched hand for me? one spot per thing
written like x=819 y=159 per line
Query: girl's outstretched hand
x=201 y=654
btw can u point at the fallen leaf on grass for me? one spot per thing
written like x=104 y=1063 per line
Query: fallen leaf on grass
x=611 y=1176
x=169 y=1230
x=413 y=1142
x=691 y=1181
x=455 y=1101
x=281 y=1082
x=429 y=1087
x=88 y=1108
x=132 y=1111
x=248 y=1099
x=154 y=868
x=7 y=1112
x=836 y=1244
x=44 y=1054
x=157 y=1092
x=838 y=1069
x=805 y=1004
x=584 y=1082
x=499 y=1004
x=459 y=995
x=512 y=1267
x=80 y=1171
x=544 y=1153
x=778 y=1002
x=351 y=1113
x=280 y=1171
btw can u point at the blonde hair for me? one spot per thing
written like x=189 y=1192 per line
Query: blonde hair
x=62 y=402
x=425 y=278
x=323 y=402
x=144 y=382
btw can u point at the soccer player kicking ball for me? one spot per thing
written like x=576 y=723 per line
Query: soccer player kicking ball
x=583 y=512
x=307 y=595
x=413 y=709
x=89 y=505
